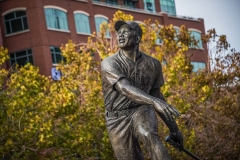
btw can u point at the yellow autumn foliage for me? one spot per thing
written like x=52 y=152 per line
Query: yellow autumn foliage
x=45 y=119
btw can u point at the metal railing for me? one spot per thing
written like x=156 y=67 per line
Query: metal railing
x=132 y=8
x=123 y=7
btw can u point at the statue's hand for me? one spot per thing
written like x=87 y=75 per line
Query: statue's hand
x=177 y=137
x=165 y=109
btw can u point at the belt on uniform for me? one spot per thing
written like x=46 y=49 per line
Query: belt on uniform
x=117 y=114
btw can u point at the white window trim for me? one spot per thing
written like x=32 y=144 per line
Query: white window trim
x=60 y=30
x=153 y=25
x=14 y=9
x=55 y=7
x=81 y=12
x=87 y=34
x=176 y=27
x=15 y=33
x=100 y=16
x=195 y=30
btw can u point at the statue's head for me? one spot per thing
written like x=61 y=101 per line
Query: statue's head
x=129 y=34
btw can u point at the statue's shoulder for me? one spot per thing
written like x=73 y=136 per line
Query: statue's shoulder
x=150 y=58
x=110 y=60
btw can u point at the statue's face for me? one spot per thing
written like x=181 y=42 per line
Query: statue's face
x=126 y=37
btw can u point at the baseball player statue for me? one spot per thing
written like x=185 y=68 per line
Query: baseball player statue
x=131 y=86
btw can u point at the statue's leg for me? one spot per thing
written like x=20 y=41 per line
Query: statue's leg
x=125 y=145
x=146 y=130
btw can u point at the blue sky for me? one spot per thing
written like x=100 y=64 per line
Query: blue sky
x=223 y=15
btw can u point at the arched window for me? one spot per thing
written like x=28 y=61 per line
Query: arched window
x=177 y=32
x=82 y=22
x=198 y=66
x=56 y=18
x=158 y=40
x=99 y=19
x=15 y=21
x=149 y=5
x=197 y=35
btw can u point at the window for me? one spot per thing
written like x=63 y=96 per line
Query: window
x=198 y=65
x=198 y=38
x=56 y=55
x=82 y=23
x=15 y=22
x=112 y=1
x=56 y=19
x=149 y=5
x=158 y=40
x=129 y=3
x=168 y=6
x=98 y=21
x=21 y=58
x=177 y=33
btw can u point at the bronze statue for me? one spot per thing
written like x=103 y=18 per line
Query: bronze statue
x=131 y=86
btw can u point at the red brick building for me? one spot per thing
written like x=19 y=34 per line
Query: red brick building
x=33 y=30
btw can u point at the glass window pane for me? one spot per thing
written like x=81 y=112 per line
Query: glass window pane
x=8 y=27
x=22 y=61
x=25 y=24
x=58 y=58
x=9 y=16
x=49 y=11
x=30 y=59
x=22 y=53
x=16 y=25
x=52 y=20
x=164 y=3
x=12 y=62
x=20 y=13
x=57 y=49
x=53 y=58
x=29 y=52
x=12 y=55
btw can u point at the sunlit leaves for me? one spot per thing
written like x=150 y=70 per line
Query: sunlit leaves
x=63 y=119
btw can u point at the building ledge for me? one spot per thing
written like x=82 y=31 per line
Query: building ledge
x=59 y=30
x=122 y=7
x=184 y=17
x=16 y=33
x=86 y=34
x=82 y=0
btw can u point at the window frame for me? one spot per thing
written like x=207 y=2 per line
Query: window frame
x=158 y=39
x=98 y=27
x=65 y=27
x=192 y=30
x=194 y=63
x=168 y=7
x=53 y=55
x=153 y=5
x=89 y=27
x=14 y=10
x=15 y=58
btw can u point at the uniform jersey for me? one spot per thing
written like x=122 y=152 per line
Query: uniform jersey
x=145 y=74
